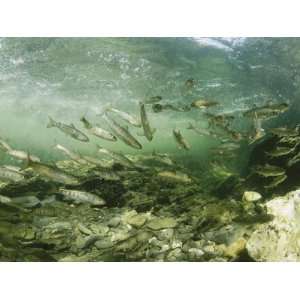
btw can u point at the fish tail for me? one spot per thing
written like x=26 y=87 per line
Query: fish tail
x=51 y=123
x=85 y=122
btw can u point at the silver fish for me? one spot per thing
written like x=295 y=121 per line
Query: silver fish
x=285 y=132
x=69 y=130
x=181 y=142
x=148 y=131
x=52 y=173
x=82 y=197
x=97 y=131
x=119 y=157
x=267 y=111
x=276 y=181
x=122 y=133
x=10 y=175
x=17 y=154
x=201 y=131
x=280 y=151
x=68 y=152
x=5 y=200
x=126 y=117
x=12 y=168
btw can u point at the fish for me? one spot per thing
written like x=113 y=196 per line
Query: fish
x=132 y=120
x=294 y=160
x=10 y=175
x=119 y=157
x=51 y=173
x=203 y=104
x=163 y=158
x=225 y=130
x=92 y=160
x=69 y=130
x=181 y=142
x=97 y=131
x=269 y=171
x=106 y=174
x=12 y=168
x=5 y=200
x=82 y=197
x=122 y=133
x=175 y=176
x=201 y=131
x=220 y=119
x=280 y=151
x=17 y=154
x=276 y=181
x=267 y=111
x=285 y=132
x=293 y=140
x=26 y=201
x=179 y=108
x=153 y=99
x=68 y=152
x=148 y=131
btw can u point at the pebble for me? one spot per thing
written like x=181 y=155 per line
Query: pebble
x=161 y=223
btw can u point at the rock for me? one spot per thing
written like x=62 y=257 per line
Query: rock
x=103 y=244
x=86 y=242
x=161 y=223
x=137 y=220
x=234 y=249
x=143 y=236
x=278 y=240
x=127 y=245
x=114 y=222
x=251 y=196
x=99 y=229
x=165 y=234
x=195 y=253
x=175 y=255
x=83 y=229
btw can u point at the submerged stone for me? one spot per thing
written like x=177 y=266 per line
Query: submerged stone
x=161 y=223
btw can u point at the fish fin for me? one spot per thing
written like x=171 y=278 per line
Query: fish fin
x=154 y=152
x=51 y=123
x=72 y=125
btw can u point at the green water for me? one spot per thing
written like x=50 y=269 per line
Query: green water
x=175 y=205
x=67 y=78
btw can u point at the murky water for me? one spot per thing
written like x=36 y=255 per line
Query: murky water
x=167 y=184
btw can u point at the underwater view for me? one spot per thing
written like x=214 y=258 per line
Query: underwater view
x=150 y=149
